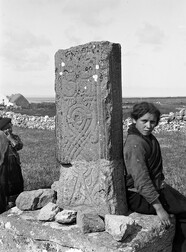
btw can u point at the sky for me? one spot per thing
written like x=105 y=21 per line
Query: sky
x=152 y=35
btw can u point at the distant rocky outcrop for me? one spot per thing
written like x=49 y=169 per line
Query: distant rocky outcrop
x=19 y=100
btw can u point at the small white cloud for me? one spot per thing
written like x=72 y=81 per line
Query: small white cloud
x=182 y=30
x=72 y=35
x=91 y=12
x=151 y=34
x=23 y=51
x=24 y=40
x=26 y=60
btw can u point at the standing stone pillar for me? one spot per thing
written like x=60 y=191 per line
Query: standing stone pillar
x=89 y=130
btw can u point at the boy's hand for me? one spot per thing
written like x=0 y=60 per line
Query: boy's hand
x=10 y=138
x=7 y=132
x=164 y=217
x=162 y=214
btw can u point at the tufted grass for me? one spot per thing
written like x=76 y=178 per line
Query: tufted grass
x=173 y=145
x=39 y=163
x=37 y=158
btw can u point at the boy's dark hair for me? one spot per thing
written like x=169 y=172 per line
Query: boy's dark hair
x=140 y=109
x=3 y=122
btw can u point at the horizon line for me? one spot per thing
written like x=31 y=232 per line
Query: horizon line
x=170 y=96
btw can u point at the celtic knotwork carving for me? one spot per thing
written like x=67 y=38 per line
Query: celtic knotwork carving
x=69 y=88
x=80 y=124
x=86 y=185
x=88 y=98
x=79 y=106
x=87 y=68
x=79 y=118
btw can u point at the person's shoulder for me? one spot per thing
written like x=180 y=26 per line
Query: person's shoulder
x=153 y=138
x=3 y=145
x=135 y=141
x=134 y=138
x=3 y=137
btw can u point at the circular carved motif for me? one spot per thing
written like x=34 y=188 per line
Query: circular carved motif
x=79 y=118
x=69 y=88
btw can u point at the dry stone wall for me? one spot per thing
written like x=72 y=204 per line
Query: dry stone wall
x=32 y=122
x=168 y=122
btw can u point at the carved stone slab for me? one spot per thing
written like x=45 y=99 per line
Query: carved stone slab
x=96 y=186
x=88 y=102
x=89 y=132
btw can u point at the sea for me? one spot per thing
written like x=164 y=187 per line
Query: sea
x=40 y=99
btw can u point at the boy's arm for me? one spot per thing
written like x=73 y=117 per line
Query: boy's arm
x=15 y=141
x=162 y=214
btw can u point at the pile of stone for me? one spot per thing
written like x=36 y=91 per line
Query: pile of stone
x=45 y=200
x=52 y=228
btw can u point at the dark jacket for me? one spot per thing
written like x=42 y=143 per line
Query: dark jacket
x=15 y=178
x=3 y=171
x=143 y=161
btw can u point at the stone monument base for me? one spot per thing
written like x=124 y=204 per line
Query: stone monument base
x=96 y=185
x=20 y=231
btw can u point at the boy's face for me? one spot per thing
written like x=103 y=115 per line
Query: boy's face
x=146 y=124
x=8 y=128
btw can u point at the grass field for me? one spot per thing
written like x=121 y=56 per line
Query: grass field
x=173 y=146
x=38 y=158
x=39 y=163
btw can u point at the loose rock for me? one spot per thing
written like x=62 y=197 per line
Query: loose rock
x=66 y=217
x=35 y=199
x=48 y=212
x=119 y=226
x=90 y=222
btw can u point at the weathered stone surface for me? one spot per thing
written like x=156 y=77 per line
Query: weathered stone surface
x=21 y=231
x=89 y=131
x=120 y=227
x=47 y=196
x=88 y=102
x=66 y=216
x=90 y=222
x=48 y=212
x=35 y=199
x=97 y=186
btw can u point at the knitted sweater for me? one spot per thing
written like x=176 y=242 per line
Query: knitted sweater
x=143 y=161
